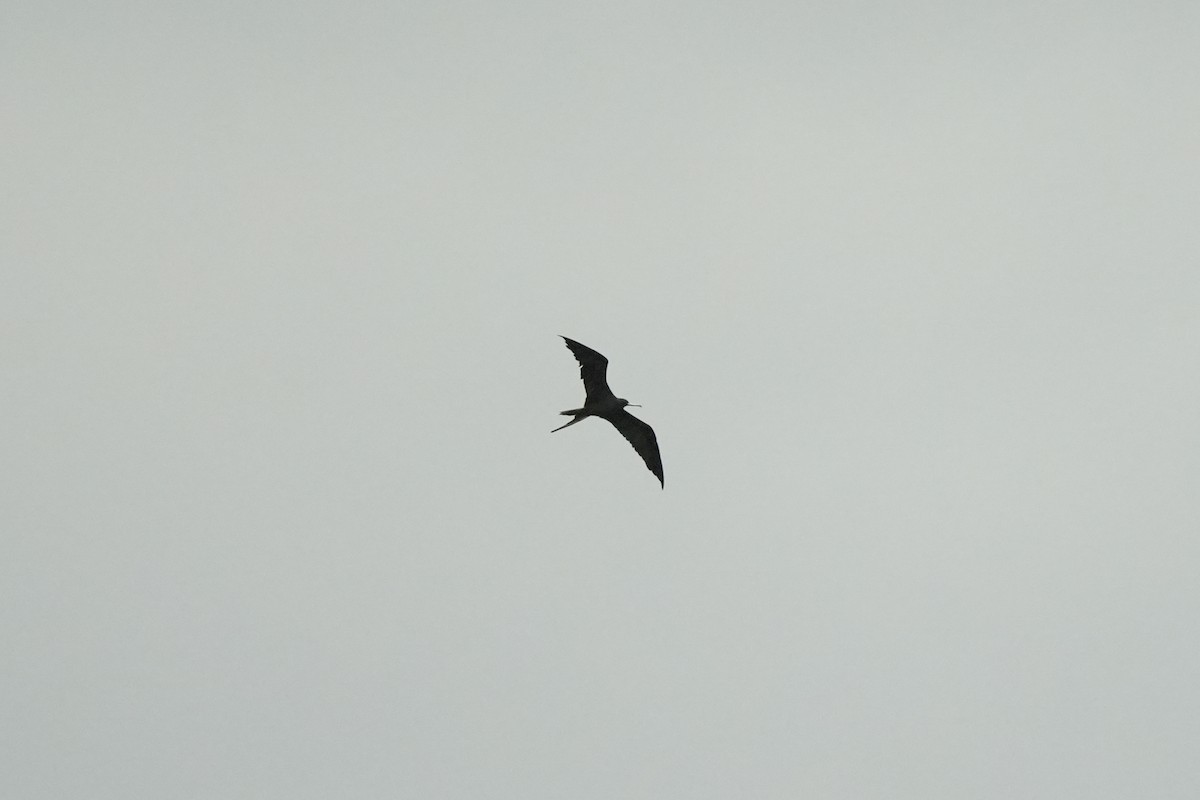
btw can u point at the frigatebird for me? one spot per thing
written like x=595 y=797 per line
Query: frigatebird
x=601 y=402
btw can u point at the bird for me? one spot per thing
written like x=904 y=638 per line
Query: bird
x=601 y=402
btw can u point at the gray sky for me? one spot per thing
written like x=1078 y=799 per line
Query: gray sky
x=909 y=292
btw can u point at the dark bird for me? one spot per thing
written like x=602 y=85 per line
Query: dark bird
x=601 y=402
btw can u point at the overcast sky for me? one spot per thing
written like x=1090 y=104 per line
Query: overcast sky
x=910 y=293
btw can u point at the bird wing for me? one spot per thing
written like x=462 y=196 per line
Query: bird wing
x=642 y=437
x=593 y=369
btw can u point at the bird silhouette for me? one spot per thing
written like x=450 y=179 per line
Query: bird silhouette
x=601 y=402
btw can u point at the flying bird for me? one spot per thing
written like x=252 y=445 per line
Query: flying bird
x=601 y=402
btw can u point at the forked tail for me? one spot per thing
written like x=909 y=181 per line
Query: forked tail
x=578 y=412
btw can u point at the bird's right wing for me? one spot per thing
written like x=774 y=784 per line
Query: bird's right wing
x=642 y=437
x=593 y=369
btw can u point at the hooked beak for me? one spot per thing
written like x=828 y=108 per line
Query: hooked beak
x=635 y=405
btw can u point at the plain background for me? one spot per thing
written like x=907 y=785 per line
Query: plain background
x=909 y=292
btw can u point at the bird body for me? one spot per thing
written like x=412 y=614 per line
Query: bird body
x=601 y=402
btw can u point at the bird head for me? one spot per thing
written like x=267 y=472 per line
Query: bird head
x=625 y=402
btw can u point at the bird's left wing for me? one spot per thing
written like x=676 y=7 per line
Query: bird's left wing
x=593 y=369
x=642 y=437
